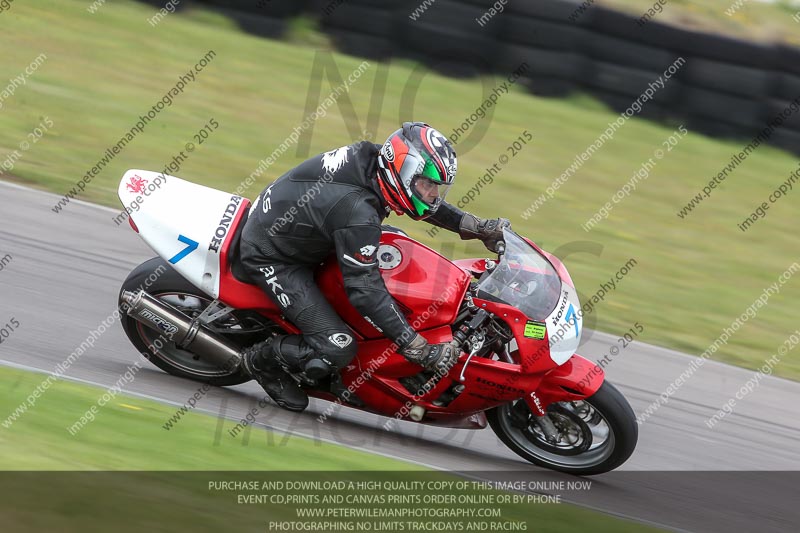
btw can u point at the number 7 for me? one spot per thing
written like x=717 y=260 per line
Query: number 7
x=191 y=246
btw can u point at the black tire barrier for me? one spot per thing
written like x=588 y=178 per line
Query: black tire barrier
x=788 y=59
x=549 y=87
x=787 y=139
x=358 y=44
x=272 y=28
x=542 y=63
x=265 y=8
x=632 y=82
x=788 y=87
x=351 y=18
x=717 y=128
x=545 y=34
x=448 y=30
x=557 y=11
x=776 y=107
x=630 y=54
x=727 y=109
x=158 y=4
x=727 y=87
x=728 y=78
x=657 y=34
x=620 y=103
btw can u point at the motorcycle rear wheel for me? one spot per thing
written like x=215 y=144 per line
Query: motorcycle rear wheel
x=243 y=327
x=595 y=435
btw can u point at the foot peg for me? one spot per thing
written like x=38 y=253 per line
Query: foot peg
x=344 y=395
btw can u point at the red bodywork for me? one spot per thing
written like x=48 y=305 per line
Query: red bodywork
x=429 y=289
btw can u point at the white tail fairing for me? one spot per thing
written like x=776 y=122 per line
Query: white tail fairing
x=183 y=222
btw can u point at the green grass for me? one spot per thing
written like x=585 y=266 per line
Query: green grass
x=693 y=278
x=130 y=474
x=127 y=434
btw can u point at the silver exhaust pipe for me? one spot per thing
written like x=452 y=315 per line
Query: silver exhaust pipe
x=186 y=333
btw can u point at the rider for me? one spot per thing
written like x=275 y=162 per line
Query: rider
x=336 y=201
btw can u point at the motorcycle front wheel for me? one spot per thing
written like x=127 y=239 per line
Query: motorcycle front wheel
x=593 y=436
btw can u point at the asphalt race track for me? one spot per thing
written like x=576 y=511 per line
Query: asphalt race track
x=66 y=272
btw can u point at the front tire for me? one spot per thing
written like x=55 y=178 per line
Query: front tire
x=595 y=435
x=242 y=327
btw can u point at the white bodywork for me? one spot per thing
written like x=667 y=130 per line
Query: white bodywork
x=183 y=222
x=564 y=326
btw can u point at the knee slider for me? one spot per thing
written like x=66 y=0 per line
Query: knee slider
x=317 y=369
x=341 y=357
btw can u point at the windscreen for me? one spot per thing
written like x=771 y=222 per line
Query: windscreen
x=524 y=279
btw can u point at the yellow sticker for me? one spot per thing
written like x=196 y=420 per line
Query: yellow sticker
x=534 y=330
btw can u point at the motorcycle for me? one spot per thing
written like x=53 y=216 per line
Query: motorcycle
x=515 y=321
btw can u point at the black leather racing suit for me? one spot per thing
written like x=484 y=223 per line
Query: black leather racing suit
x=329 y=203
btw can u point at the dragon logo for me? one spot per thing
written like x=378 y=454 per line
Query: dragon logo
x=335 y=159
x=137 y=184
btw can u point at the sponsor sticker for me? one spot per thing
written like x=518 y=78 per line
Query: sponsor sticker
x=534 y=330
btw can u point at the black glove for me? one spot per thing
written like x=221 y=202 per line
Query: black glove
x=490 y=231
x=437 y=357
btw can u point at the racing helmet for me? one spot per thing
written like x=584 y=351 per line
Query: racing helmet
x=416 y=167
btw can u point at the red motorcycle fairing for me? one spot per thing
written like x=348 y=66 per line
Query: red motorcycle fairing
x=427 y=286
x=575 y=380
x=429 y=289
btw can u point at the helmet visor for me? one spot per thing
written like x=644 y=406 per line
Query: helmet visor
x=427 y=194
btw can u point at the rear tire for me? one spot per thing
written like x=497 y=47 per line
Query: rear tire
x=243 y=327
x=609 y=414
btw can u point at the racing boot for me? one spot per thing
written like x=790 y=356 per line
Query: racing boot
x=276 y=382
